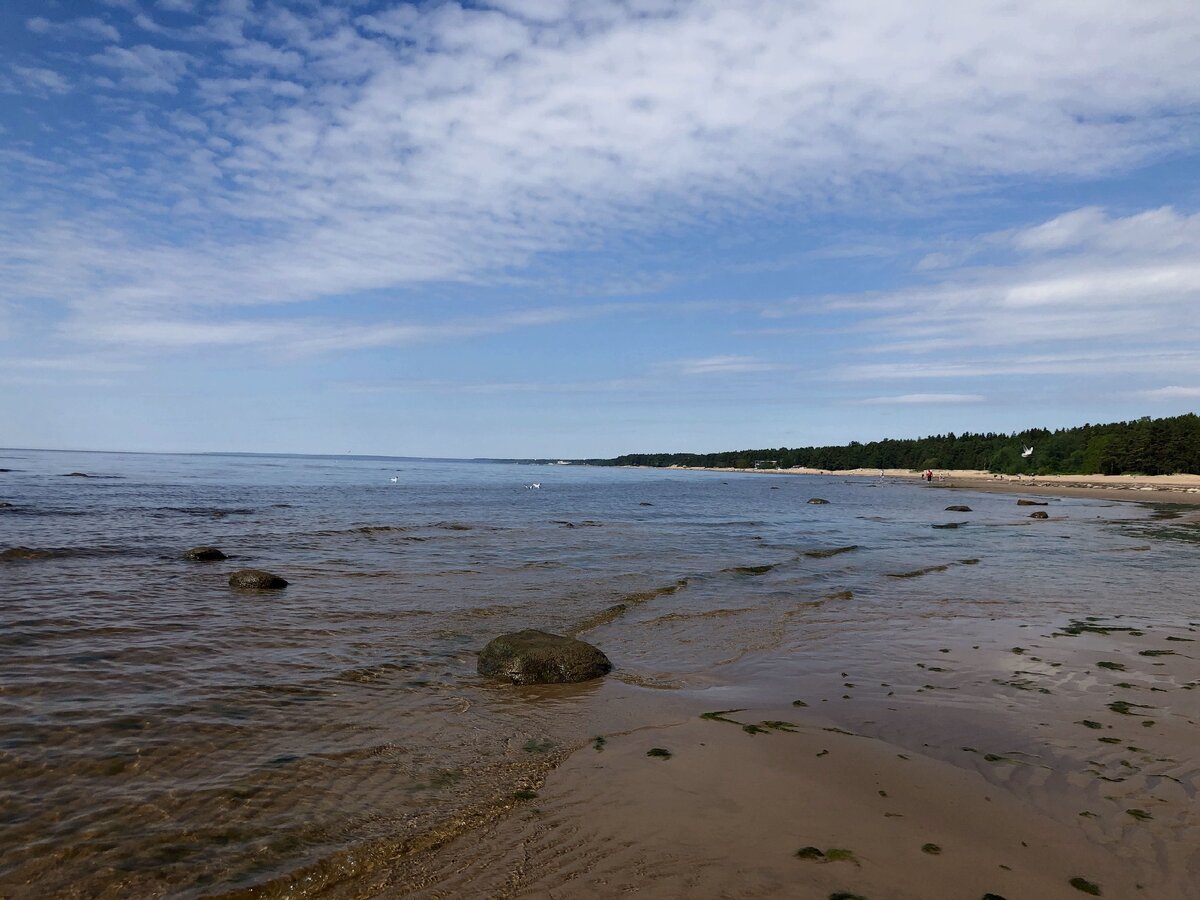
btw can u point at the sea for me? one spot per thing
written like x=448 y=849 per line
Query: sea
x=162 y=734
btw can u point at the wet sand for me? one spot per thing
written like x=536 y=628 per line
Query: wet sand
x=984 y=769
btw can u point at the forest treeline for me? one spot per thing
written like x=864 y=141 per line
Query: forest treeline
x=1144 y=446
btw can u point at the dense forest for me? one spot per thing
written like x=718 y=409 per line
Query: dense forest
x=1145 y=447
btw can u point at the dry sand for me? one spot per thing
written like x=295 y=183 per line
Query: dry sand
x=983 y=769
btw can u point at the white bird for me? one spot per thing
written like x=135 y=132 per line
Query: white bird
x=533 y=487
x=1026 y=452
x=394 y=479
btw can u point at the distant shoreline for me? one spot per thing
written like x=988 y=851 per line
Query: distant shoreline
x=1134 y=488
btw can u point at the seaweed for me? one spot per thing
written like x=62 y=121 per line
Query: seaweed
x=810 y=853
x=659 y=753
x=525 y=795
x=1123 y=707
x=598 y=742
x=720 y=716
x=1139 y=814
x=835 y=551
x=1088 y=723
x=779 y=725
x=1108 y=664
x=1109 y=740
x=931 y=849
x=1156 y=653
x=754 y=729
x=799 y=703
x=1082 y=884
x=532 y=746
x=845 y=895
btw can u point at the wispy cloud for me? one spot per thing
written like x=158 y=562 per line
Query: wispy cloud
x=718 y=365
x=89 y=28
x=1171 y=392
x=442 y=142
x=925 y=400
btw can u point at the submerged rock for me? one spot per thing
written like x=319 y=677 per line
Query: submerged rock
x=23 y=553
x=1039 y=515
x=1024 y=502
x=256 y=580
x=204 y=554
x=4 y=504
x=538 y=657
x=958 y=509
x=77 y=475
x=817 y=501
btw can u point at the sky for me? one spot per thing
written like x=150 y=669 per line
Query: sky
x=578 y=228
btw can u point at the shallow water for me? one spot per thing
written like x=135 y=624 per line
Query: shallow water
x=163 y=734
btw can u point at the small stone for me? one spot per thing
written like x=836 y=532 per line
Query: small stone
x=256 y=580
x=204 y=554
x=817 y=501
x=958 y=509
x=1039 y=515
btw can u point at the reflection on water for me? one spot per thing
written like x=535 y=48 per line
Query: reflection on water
x=160 y=733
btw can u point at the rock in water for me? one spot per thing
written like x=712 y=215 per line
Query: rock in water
x=256 y=580
x=958 y=509
x=1024 y=502
x=1039 y=515
x=204 y=554
x=817 y=501
x=538 y=657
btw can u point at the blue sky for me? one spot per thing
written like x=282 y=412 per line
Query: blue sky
x=561 y=228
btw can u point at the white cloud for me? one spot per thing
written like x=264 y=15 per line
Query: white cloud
x=1172 y=392
x=448 y=143
x=89 y=28
x=40 y=81
x=718 y=365
x=925 y=400
x=145 y=68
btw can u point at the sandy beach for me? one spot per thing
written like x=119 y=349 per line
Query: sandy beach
x=1143 y=488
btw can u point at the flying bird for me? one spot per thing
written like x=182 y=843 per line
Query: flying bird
x=1026 y=452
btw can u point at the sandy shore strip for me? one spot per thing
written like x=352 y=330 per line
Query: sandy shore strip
x=1141 y=488
x=1064 y=766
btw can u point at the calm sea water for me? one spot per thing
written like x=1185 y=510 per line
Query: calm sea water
x=161 y=734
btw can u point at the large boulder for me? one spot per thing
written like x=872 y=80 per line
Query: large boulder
x=256 y=580
x=538 y=657
x=204 y=554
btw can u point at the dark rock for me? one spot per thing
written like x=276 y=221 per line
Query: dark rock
x=1023 y=502
x=817 y=501
x=204 y=554
x=958 y=509
x=538 y=657
x=1039 y=515
x=4 y=504
x=950 y=525
x=256 y=580
x=77 y=475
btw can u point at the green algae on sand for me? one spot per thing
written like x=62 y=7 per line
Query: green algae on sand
x=1087 y=887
